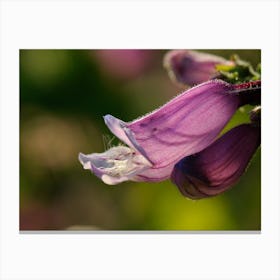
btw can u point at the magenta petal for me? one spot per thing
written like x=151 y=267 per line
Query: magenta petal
x=185 y=125
x=190 y=67
x=218 y=167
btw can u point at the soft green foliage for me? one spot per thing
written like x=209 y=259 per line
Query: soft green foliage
x=240 y=71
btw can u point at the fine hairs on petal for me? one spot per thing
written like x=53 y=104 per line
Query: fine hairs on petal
x=214 y=81
x=124 y=133
x=107 y=141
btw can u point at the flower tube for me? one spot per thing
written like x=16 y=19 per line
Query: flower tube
x=156 y=142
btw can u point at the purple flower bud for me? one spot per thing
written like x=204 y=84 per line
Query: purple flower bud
x=191 y=67
x=218 y=167
x=185 y=125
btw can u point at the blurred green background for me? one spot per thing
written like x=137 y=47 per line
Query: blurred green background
x=63 y=96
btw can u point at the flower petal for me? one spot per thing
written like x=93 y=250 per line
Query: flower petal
x=215 y=169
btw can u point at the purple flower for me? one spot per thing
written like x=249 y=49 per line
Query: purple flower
x=190 y=67
x=123 y=64
x=156 y=142
x=218 y=167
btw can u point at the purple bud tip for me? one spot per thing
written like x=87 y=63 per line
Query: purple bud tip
x=190 y=67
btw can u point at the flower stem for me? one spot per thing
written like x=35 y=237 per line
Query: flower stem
x=249 y=92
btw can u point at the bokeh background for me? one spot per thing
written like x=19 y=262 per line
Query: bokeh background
x=63 y=96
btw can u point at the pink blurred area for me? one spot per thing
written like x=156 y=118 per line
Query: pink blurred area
x=123 y=64
x=37 y=216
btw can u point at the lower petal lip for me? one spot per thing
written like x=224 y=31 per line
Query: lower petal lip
x=85 y=161
x=116 y=165
x=109 y=180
